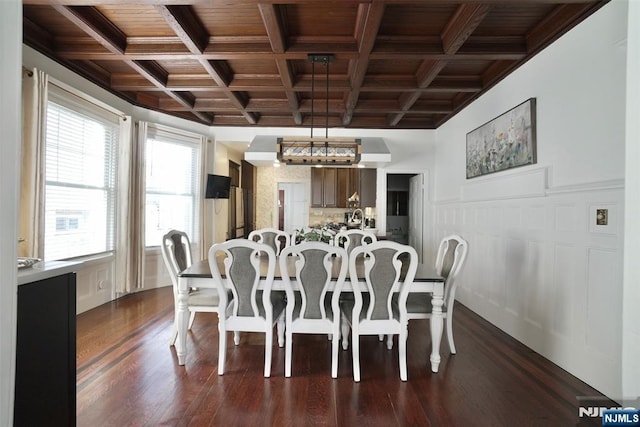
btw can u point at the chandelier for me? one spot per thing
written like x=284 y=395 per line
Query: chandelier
x=314 y=150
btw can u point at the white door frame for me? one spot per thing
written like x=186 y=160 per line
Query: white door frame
x=275 y=217
x=381 y=207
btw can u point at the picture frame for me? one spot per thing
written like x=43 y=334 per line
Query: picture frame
x=505 y=142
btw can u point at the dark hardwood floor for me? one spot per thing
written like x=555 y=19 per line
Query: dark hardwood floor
x=127 y=375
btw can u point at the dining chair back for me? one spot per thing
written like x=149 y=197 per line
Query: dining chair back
x=276 y=239
x=350 y=239
x=313 y=308
x=389 y=269
x=450 y=259
x=176 y=253
x=251 y=309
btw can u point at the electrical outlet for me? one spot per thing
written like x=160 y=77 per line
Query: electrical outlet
x=602 y=216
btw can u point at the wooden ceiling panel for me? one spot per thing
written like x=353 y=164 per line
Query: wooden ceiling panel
x=418 y=19
x=466 y=68
x=55 y=24
x=390 y=68
x=511 y=19
x=255 y=67
x=396 y=63
x=228 y=20
x=320 y=19
x=137 y=20
x=181 y=66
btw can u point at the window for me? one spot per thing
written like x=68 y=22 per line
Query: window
x=172 y=179
x=80 y=163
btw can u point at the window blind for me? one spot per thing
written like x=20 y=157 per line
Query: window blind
x=80 y=174
x=172 y=180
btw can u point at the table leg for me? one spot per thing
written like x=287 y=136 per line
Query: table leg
x=436 y=326
x=182 y=324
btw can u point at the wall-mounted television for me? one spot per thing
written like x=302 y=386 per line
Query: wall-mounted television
x=218 y=187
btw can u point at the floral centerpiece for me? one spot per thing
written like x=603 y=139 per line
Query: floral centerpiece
x=314 y=234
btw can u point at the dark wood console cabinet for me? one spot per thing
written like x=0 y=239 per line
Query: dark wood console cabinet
x=45 y=386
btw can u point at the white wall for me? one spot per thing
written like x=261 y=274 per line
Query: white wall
x=631 y=314
x=95 y=284
x=10 y=119
x=539 y=268
x=412 y=151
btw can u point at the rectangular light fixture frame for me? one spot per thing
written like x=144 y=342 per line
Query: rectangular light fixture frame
x=319 y=151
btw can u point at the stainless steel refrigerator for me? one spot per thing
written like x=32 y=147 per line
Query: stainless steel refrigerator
x=236 y=213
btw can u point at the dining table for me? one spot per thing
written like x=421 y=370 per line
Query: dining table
x=198 y=275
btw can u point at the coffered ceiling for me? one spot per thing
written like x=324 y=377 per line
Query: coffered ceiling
x=405 y=64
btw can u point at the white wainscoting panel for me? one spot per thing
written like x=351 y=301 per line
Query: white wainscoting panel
x=538 y=269
x=94 y=283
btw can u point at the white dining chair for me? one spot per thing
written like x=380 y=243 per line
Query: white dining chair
x=312 y=308
x=276 y=239
x=385 y=263
x=452 y=253
x=350 y=239
x=176 y=253
x=251 y=309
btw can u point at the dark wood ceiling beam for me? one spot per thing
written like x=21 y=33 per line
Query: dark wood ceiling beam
x=271 y=19
x=178 y=53
x=184 y=22
x=111 y=2
x=367 y=31
x=426 y=74
x=94 y=23
x=286 y=74
x=548 y=29
x=496 y=71
x=462 y=25
x=158 y=76
x=37 y=37
x=272 y=23
x=459 y=28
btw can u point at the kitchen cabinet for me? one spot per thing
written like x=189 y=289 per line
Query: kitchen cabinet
x=348 y=183
x=45 y=384
x=367 y=184
x=324 y=187
x=331 y=187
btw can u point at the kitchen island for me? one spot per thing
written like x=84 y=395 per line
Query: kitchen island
x=45 y=386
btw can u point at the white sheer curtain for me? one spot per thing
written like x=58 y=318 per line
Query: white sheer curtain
x=204 y=229
x=130 y=207
x=34 y=110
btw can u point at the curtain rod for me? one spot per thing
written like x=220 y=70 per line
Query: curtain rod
x=80 y=95
x=87 y=98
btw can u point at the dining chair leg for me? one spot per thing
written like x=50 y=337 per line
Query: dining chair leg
x=236 y=337
x=335 y=344
x=222 y=348
x=402 y=353
x=355 y=353
x=381 y=337
x=192 y=317
x=268 y=342
x=281 y=330
x=389 y=341
x=452 y=345
x=174 y=335
x=288 y=353
x=344 y=326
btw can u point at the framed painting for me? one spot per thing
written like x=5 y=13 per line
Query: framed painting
x=506 y=142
